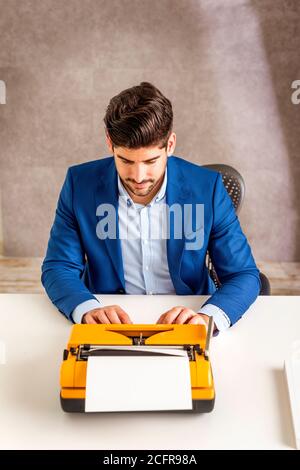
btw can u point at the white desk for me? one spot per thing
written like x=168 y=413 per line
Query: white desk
x=251 y=410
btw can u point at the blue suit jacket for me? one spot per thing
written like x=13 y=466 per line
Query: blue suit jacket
x=78 y=263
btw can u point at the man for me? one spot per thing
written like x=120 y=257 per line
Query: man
x=140 y=189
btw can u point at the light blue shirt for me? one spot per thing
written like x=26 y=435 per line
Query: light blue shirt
x=144 y=253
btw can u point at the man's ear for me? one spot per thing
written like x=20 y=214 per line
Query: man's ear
x=171 y=144
x=109 y=142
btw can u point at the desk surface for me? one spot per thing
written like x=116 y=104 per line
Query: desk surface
x=251 y=410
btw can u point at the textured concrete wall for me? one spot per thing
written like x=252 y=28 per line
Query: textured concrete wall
x=226 y=66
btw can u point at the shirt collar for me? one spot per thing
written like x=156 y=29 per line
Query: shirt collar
x=158 y=197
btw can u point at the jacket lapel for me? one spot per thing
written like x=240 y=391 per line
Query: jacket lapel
x=177 y=192
x=107 y=193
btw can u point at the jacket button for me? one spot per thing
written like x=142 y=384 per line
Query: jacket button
x=121 y=291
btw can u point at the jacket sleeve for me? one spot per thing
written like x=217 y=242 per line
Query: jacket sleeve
x=64 y=262
x=232 y=258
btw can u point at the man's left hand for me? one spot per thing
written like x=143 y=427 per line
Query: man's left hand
x=180 y=315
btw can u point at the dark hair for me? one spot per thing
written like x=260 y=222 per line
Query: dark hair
x=140 y=116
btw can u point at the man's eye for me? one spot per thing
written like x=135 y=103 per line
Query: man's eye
x=147 y=163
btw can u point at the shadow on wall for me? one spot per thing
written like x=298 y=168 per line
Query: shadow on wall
x=280 y=29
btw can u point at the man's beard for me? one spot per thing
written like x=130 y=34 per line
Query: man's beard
x=142 y=191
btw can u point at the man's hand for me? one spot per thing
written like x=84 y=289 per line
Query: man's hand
x=109 y=314
x=180 y=315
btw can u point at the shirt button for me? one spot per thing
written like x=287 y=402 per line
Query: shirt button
x=145 y=242
x=147 y=268
x=151 y=292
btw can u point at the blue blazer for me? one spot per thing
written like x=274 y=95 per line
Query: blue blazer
x=78 y=264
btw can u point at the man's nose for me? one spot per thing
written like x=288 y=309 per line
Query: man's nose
x=139 y=174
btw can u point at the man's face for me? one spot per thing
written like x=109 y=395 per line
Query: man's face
x=142 y=170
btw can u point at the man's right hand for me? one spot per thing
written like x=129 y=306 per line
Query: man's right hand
x=109 y=314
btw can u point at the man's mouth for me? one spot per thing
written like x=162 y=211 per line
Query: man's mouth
x=140 y=185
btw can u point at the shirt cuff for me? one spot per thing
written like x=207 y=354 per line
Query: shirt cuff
x=83 y=308
x=221 y=320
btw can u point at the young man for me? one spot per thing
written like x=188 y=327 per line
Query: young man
x=124 y=224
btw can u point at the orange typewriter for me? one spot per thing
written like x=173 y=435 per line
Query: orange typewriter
x=128 y=339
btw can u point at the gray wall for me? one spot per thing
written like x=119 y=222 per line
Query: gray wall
x=227 y=67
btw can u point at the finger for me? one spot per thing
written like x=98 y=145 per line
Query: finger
x=166 y=318
x=112 y=315
x=163 y=315
x=185 y=315
x=88 y=319
x=124 y=317
x=170 y=315
x=197 y=320
x=100 y=316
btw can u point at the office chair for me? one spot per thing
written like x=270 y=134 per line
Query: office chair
x=235 y=186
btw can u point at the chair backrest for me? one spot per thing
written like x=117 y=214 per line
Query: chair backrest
x=233 y=182
x=235 y=186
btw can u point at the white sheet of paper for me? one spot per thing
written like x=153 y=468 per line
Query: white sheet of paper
x=138 y=383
